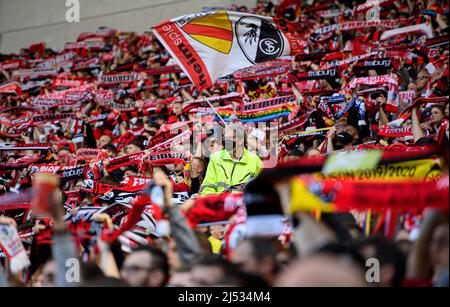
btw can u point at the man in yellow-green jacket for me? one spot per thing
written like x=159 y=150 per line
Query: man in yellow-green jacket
x=231 y=168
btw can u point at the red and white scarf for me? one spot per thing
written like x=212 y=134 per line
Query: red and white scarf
x=11 y=244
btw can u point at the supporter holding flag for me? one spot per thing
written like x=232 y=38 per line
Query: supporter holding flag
x=210 y=45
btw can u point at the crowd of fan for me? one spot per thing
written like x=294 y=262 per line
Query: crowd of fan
x=193 y=256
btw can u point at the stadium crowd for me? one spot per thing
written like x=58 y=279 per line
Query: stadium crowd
x=109 y=155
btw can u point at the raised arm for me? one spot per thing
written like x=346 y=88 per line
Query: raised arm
x=416 y=128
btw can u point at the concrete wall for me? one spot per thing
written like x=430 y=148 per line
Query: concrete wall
x=23 y=22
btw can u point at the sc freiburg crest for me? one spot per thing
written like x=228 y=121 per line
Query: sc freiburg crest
x=259 y=39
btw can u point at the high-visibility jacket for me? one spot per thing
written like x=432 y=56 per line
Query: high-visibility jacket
x=216 y=245
x=224 y=174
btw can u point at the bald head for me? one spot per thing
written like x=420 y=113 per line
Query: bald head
x=322 y=271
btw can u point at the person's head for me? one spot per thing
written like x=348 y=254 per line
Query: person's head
x=181 y=278
x=93 y=276
x=243 y=279
x=243 y=9
x=199 y=164
x=340 y=125
x=131 y=170
x=380 y=98
x=391 y=258
x=321 y=270
x=422 y=79
x=333 y=265
x=342 y=140
x=134 y=146
x=437 y=114
x=177 y=108
x=217 y=92
x=153 y=128
x=64 y=155
x=412 y=86
x=392 y=14
x=173 y=256
x=293 y=155
x=286 y=256
x=210 y=270
x=110 y=179
x=110 y=150
x=146 y=266
x=178 y=168
x=257 y=256
x=372 y=73
x=235 y=137
x=161 y=120
x=439 y=247
x=360 y=16
x=217 y=231
x=407 y=123
x=103 y=140
x=47 y=276
x=405 y=246
x=213 y=144
x=312 y=152
x=354 y=132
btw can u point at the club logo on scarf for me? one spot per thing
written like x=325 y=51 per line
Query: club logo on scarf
x=88 y=184
x=90 y=175
x=258 y=39
x=213 y=30
x=118 y=196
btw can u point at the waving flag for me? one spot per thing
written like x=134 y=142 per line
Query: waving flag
x=210 y=45
x=214 y=31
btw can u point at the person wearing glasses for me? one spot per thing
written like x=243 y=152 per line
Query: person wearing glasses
x=146 y=266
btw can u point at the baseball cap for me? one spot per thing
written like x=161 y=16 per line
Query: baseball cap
x=344 y=138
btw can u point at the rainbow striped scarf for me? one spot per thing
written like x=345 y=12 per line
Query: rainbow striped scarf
x=273 y=108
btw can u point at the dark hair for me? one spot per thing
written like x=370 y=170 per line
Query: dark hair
x=90 y=271
x=154 y=125
x=218 y=89
x=295 y=153
x=92 y=276
x=110 y=180
x=424 y=141
x=355 y=127
x=438 y=106
x=138 y=143
x=103 y=281
x=261 y=198
x=216 y=261
x=150 y=132
x=342 y=139
x=243 y=279
x=64 y=148
x=388 y=252
x=158 y=260
x=202 y=159
x=263 y=248
x=132 y=168
x=342 y=251
x=110 y=147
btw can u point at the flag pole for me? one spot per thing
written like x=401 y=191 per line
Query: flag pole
x=215 y=111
